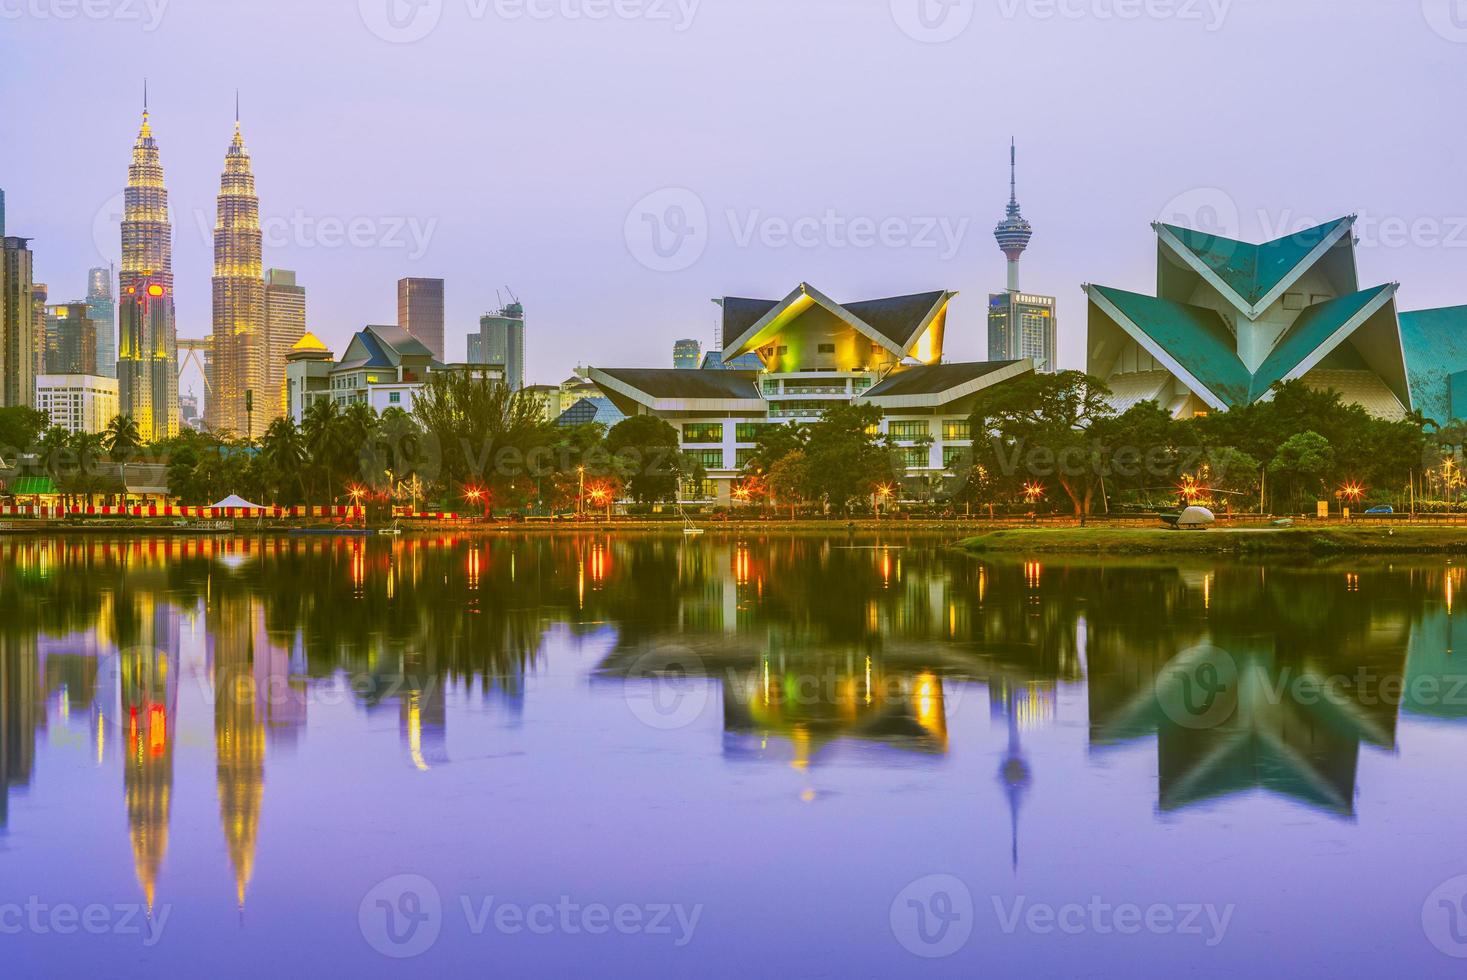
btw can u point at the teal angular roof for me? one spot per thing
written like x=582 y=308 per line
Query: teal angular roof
x=1315 y=325
x=1435 y=345
x=1195 y=337
x=1252 y=271
x=1198 y=339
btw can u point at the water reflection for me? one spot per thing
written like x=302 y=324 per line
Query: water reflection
x=818 y=650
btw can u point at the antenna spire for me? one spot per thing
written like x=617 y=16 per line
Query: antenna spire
x=1013 y=172
x=236 y=108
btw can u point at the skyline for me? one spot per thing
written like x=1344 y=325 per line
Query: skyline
x=484 y=216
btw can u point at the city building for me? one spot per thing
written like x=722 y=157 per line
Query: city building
x=188 y=411
x=101 y=308
x=1020 y=324
x=1231 y=319
x=285 y=325
x=147 y=342
x=420 y=312
x=549 y=396
x=686 y=354
x=307 y=375
x=383 y=367
x=591 y=408
x=474 y=349
x=71 y=340
x=502 y=342
x=40 y=298
x=17 y=322
x=816 y=353
x=78 y=402
x=241 y=400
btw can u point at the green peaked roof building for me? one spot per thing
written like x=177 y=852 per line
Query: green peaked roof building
x=1231 y=319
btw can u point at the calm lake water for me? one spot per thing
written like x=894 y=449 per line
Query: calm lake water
x=792 y=756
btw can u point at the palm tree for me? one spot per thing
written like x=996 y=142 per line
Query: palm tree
x=319 y=430
x=284 y=452
x=122 y=436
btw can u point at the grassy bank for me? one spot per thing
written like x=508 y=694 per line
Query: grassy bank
x=1369 y=539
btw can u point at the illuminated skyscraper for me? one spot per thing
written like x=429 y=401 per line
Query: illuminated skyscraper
x=285 y=325
x=1019 y=324
x=100 y=308
x=241 y=400
x=147 y=357
x=420 y=312
x=40 y=297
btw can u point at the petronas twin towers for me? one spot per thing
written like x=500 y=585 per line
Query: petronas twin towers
x=243 y=394
x=147 y=353
x=239 y=401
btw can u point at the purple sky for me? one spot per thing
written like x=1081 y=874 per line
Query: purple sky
x=519 y=140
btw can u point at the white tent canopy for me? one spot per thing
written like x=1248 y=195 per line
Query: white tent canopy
x=236 y=501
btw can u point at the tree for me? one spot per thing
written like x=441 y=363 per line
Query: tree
x=321 y=431
x=1303 y=463
x=482 y=434
x=283 y=452
x=846 y=457
x=122 y=437
x=774 y=442
x=20 y=427
x=645 y=451
x=1038 y=427
x=789 y=480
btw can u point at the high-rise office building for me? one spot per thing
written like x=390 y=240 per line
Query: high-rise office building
x=100 y=309
x=420 y=312
x=241 y=400
x=503 y=342
x=147 y=349
x=686 y=354
x=285 y=325
x=474 y=352
x=1019 y=324
x=17 y=324
x=77 y=402
x=71 y=340
x=40 y=297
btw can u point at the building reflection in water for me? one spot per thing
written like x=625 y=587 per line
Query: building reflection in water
x=820 y=648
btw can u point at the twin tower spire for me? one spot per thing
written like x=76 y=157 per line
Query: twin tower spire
x=238 y=380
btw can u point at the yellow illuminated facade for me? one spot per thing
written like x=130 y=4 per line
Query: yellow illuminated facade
x=147 y=355
x=789 y=361
x=241 y=400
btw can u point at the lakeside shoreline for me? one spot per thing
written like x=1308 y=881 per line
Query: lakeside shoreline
x=1325 y=540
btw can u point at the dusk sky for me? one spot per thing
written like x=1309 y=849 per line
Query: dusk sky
x=528 y=143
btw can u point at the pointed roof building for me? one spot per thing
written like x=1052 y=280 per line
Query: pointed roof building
x=1232 y=319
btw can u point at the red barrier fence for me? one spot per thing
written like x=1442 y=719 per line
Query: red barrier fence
x=179 y=511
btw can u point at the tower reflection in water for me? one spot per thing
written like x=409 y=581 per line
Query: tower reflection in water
x=819 y=648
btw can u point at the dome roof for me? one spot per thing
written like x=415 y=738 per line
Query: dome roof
x=309 y=347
